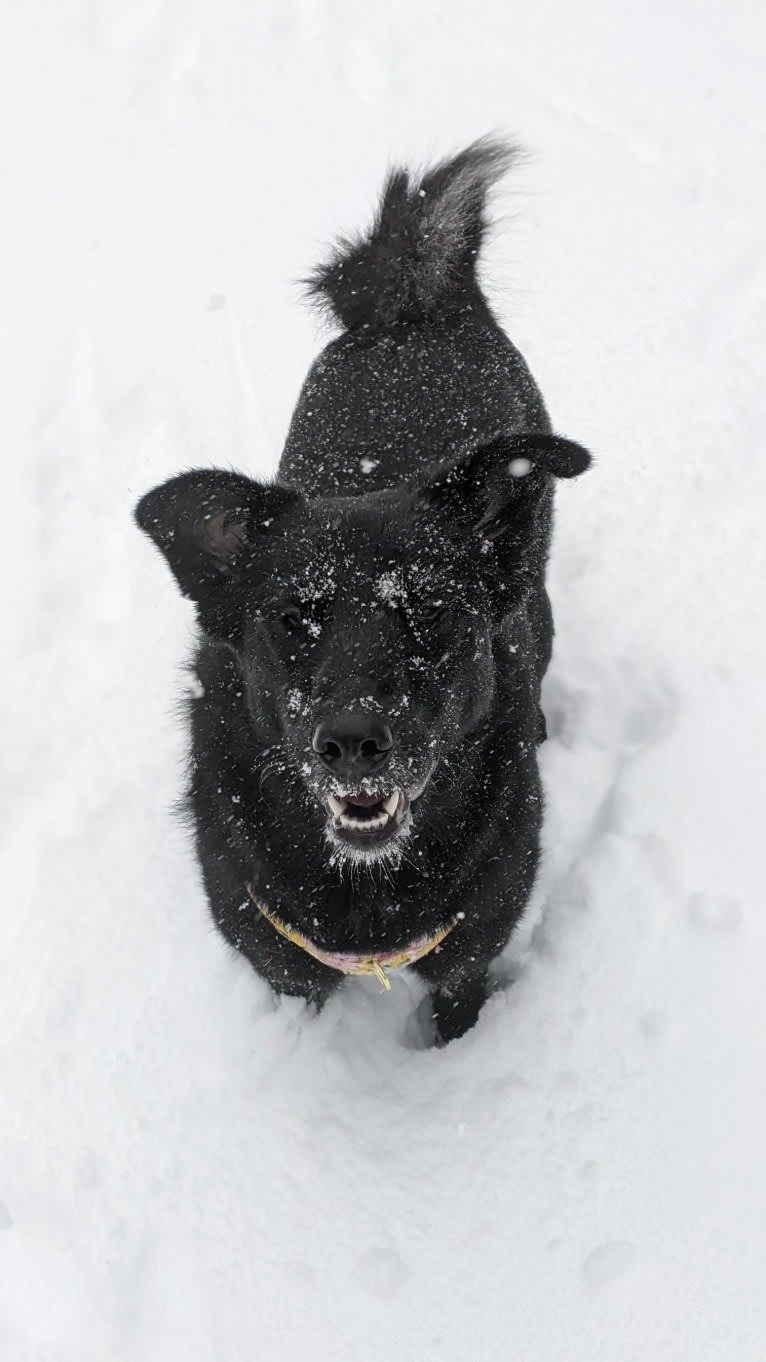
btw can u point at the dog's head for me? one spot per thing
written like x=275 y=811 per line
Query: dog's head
x=363 y=626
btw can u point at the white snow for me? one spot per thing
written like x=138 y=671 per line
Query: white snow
x=518 y=468
x=190 y=1172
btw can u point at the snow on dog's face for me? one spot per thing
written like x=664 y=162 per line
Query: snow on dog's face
x=369 y=654
x=363 y=626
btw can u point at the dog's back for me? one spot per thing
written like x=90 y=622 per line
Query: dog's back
x=422 y=369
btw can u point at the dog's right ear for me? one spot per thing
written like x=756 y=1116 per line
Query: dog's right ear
x=210 y=524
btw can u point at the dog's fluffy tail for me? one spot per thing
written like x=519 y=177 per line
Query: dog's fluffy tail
x=418 y=259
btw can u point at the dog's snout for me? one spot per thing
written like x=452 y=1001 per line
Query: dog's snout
x=353 y=744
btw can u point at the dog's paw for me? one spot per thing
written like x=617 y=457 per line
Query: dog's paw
x=456 y=1010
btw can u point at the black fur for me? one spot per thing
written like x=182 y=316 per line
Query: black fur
x=418 y=261
x=376 y=620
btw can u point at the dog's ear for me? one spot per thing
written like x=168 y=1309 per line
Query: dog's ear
x=499 y=486
x=210 y=524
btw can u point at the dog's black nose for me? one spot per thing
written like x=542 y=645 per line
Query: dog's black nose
x=353 y=744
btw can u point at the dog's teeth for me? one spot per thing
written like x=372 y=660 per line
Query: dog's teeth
x=345 y=815
x=369 y=824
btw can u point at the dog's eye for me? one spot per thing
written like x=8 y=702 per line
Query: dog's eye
x=291 y=618
x=430 y=611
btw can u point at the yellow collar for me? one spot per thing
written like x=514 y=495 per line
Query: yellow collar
x=357 y=964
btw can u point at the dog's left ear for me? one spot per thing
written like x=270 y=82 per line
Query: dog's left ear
x=210 y=525
x=499 y=486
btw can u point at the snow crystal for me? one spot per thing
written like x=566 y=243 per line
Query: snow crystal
x=518 y=468
x=389 y=588
x=296 y=702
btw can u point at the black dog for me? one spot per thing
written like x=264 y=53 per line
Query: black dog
x=375 y=626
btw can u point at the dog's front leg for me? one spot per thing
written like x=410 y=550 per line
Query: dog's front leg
x=456 y=1005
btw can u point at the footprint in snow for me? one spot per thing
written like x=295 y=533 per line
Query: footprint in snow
x=298 y=1273
x=382 y=1273
x=608 y=1261
x=624 y=708
x=653 y=1023
x=714 y=912
x=609 y=720
x=650 y=714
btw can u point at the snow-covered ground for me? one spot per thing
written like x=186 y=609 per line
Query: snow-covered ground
x=190 y=1172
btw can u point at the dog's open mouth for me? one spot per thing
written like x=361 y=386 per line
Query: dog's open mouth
x=367 y=821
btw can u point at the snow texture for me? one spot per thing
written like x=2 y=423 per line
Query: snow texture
x=189 y=1171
